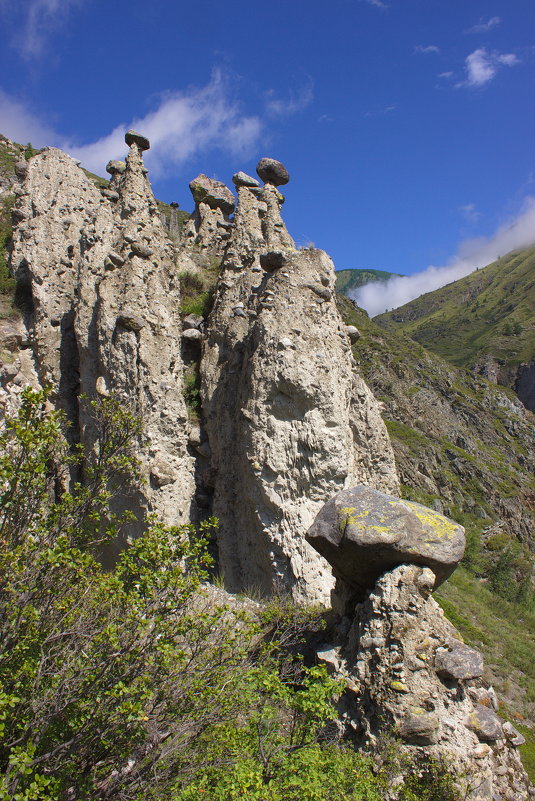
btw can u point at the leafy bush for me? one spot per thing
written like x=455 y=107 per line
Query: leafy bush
x=106 y=678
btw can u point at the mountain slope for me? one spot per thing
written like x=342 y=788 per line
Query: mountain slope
x=462 y=445
x=459 y=440
x=353 y=279
x=485 y=321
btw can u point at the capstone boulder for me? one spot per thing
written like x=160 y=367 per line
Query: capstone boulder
x=363 y=532
x=272 y=172
x=214 y=193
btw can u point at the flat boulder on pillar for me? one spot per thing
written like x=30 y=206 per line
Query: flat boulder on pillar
x=214 y=193
x=363 y=533
x=114 y=167
x=242 y=179
x=132 y=137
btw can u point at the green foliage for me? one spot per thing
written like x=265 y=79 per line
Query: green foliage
x=105 y=677
x=7 y=283
x=413 y=439
x=352 y=279
x=30 y=151
x=316 y=773
x=192 y=390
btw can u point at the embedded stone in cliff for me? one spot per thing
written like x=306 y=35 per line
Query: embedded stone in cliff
x=353 y=333
x=485 y=724
x=419 y=727
x=363 y=533
x=214 y=193
x=272 y=172
x=458 y=662
x=114 y=167
x=132 y=137
x=242 y=179
x=273 y=260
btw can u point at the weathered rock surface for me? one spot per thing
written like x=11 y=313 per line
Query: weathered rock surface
x=272 y=172
x=209 y=225
x=214 y=193
x=242 y=179
x=288 y=419
x=363 y=533
x=103 y=312
x=392 y=660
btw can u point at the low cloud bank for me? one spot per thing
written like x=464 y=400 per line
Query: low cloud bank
x=378 y=296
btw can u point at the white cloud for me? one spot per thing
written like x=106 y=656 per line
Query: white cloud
x=297 y=100
x=21 y=125
x=445 y=75
x=473 y=253
x=484 y=27
x=481 y=66
x=470 y=213
x=183 y=124
x=376 y=3
x=39 y=19
x=427 y=49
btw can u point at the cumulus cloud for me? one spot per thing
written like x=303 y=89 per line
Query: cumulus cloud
x=183 y=124
x=38 y=20
x=481 y=66
x=484 y=27
x=427 y=49
x=473 y=253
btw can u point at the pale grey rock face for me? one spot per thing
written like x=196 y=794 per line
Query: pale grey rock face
x=289 y=421
x=363 y=532
x=242 y=179
x=390 y=660
x=209 y=225
x=214 y=193
x=104 y=314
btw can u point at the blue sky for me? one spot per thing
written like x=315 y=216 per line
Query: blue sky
x=406 y=125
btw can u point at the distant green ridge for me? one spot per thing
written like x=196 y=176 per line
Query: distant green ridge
x=489 y=314
x=352 y=279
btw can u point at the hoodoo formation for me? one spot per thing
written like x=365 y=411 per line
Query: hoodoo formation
x=287 y=447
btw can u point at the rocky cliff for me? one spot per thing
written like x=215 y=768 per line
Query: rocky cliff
x=286 y=419
x=102 y=311
x=282 y=430
x=406 y=668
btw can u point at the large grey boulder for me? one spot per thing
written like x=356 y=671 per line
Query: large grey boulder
x=272 y=171
x=459 y=662
x=363 y=532
x=132 y=137
x=214 y=193
x=485 y=724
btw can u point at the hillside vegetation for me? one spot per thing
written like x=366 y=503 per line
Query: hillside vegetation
x=462 y=445
x=488 y=314
x=353 y=279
